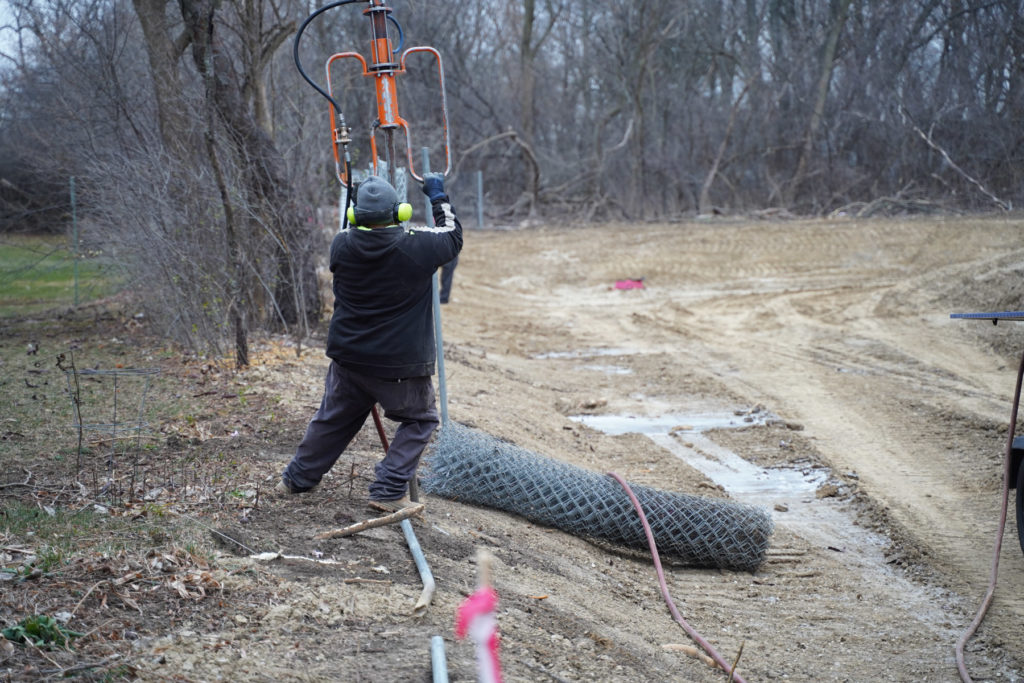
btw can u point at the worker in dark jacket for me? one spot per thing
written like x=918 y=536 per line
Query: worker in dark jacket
x=381 y=339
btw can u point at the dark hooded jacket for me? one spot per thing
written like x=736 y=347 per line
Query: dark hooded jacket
x=382 y=324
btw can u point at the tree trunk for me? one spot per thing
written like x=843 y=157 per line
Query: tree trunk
x=704 y=202
x=163 y=53
x=828 y=60
x=527 y=89
x=266 y=185
x=204 y=22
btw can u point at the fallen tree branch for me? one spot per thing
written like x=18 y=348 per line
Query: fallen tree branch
x=64 y=672
x=271 y=556
x=931 y=143
x=404 y=513
x=890 y=206
x=736 y=662
x=19 y=483
x=87 y=594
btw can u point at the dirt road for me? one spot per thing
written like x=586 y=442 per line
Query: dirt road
x=840 y=327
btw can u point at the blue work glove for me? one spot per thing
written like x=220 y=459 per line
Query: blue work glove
x=433 y=186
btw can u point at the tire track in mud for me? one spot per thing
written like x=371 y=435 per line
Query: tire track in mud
x=822 y=374
x=847 y=374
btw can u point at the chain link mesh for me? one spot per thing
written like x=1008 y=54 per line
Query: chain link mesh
x=470 y=466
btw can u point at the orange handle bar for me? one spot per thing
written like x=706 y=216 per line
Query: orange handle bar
x=444 y=113
x=387 y=109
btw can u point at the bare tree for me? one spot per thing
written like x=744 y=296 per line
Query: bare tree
x=821 y=91
x=600 y=109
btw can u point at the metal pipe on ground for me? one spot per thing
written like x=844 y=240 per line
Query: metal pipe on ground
x=410 y=536
x=421 y=564
x=438 y=660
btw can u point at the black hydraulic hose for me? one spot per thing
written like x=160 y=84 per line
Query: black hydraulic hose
x=302 y=72
x=348 y=193
x=298 y=39
x=401 y=34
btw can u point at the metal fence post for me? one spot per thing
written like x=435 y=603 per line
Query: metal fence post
x=480 y=199
x=426 y=200
x=74 y=233
x=436 y=292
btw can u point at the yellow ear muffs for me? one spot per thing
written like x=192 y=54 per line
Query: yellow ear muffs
x=401 y=214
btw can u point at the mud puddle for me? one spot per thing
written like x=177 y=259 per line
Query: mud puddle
x=683 y=436
x=789 y=494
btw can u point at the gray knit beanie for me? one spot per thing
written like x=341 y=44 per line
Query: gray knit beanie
x=375 y=202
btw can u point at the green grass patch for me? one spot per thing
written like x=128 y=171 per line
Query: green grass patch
x=37 y=273
x=56 y=524
x=58 y=535
x=41 y=631
x=55 y=534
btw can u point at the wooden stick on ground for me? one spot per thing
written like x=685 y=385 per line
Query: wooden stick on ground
x=692 y=652
x=735 y=663
x=484 y=562
x=404 y=513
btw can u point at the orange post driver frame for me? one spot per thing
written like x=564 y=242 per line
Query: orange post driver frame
x=383 y=69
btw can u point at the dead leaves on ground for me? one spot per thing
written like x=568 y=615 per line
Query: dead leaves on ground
x=157 y=575
x=177 y=570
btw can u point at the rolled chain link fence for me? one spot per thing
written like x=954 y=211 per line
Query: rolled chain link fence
x=470 y=466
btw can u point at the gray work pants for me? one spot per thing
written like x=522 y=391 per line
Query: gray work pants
x=348 y=398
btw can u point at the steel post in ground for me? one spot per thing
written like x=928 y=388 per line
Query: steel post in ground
x=480 y=200
x=389 y=136
x=438 y=660
x=428 y=209
x=435 y=288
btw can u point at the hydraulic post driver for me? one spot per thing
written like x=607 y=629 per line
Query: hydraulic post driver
x=384 y=69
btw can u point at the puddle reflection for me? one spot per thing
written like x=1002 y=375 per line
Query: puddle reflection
x=683 y=436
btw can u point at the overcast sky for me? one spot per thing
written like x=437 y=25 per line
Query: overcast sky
x=7 y=37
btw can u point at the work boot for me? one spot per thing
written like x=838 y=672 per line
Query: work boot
x=284 y=489
x=392 y=506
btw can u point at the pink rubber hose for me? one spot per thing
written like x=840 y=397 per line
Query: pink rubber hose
x=960 y=664
x=733 y=676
